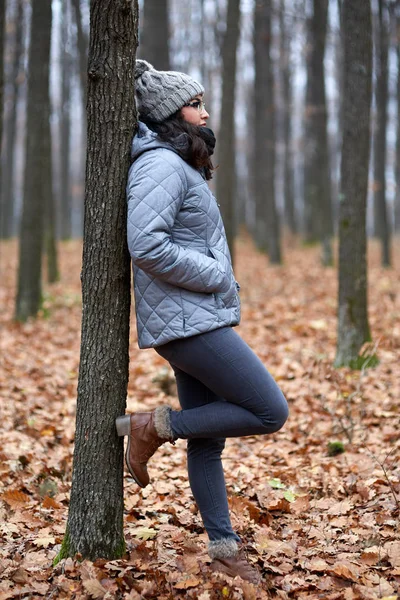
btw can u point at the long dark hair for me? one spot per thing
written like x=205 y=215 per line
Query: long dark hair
x=194 y=144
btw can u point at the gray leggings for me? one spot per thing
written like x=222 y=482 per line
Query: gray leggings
x=224 y=391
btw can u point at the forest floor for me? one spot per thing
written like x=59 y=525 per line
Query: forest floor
x=318 y=525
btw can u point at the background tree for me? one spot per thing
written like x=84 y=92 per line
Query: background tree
x=95 y=519
x=65 y=199
x=286 y=109
x=317 y=178
x=7 y=189
x=226 y=175
x=267 y=222
x=82 y=43
x=154 y=34
x=2 y=30
x=29 y=292
x=353 y=328
x=381 y=219
x=397 y=150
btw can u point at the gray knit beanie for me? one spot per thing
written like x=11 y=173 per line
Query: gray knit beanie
x=161 y=93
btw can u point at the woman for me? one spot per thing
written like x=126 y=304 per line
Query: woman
x=187 y=302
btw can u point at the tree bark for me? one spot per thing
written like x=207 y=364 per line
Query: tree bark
x=154 y=34
x=95 y=520
x=65 y=212
x=317 y=177
x=29 y=290
x=288 y=166
x=10 y=127
x=382 y=229
x=267 y=228
x=226 y=176
x=353 y=328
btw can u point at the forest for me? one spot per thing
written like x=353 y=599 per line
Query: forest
x=303 y=97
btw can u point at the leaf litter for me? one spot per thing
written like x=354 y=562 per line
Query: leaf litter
x=317 y=524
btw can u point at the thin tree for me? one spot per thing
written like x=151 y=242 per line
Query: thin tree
x=29 y=292
x=2 y=32
x=65 y=211
x=226 y=176
x=353 y=328
x=317 y=191
x=95 y=519
x=10 y=129
x=286 y=78
x=381 y=220
x=397 y=159
x=267 y=228
x=154 y=34
x=82 y=42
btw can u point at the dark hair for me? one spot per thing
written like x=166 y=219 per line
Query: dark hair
x=193 y=143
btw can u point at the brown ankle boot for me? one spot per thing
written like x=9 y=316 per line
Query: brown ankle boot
x=230 y=557
x=146 y=432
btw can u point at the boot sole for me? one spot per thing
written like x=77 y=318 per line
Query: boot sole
x=123 y=428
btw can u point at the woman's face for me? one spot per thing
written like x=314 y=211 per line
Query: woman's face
x=195 y=112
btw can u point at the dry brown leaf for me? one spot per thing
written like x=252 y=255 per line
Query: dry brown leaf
x=345 y=570
x=15 y=498
x=94 y=588
x=187 y=583
x=49 y=502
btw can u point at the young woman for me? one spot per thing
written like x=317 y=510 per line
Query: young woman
x=187 y=302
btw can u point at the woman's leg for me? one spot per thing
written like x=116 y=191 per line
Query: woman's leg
x=248 y=402
x=206 y=475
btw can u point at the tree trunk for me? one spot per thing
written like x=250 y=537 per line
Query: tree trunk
x=36 y=170
x=226 y=175
x=397 y=160
x=10 y=126
x=95 y=520
x=353 y=328
x=2 y=36
x=154 y=34
x=82 y=51
x=267 y=222
x=382 y=229
x=53 y=273
x=65 y=127
x=317 y=192
x=288 y=165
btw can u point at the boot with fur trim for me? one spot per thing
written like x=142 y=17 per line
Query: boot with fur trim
x=146 y=432
x=229 y=557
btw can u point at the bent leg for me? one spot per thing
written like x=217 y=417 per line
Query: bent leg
x=248 y=401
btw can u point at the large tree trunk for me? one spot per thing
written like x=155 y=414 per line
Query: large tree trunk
x=10 y=127
x=36 y=170
x=226 y=176
x=154 y=34
x=317 y=191
x=267 y=226
x=353 y=328
x=65 y=212
x=95 y=520
x=382 y=229
x=288 y=165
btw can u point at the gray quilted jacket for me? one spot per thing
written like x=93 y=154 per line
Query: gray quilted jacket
x=183 y=278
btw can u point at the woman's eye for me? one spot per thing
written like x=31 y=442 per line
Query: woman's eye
x=196 y=104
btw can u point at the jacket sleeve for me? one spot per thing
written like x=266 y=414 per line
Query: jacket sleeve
x=156 y=189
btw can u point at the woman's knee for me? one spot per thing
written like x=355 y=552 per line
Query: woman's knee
x=277 y=416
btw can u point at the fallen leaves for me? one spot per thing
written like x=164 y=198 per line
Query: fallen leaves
x=318 y=526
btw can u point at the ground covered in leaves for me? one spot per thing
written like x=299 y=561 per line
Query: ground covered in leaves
x=319 y=522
